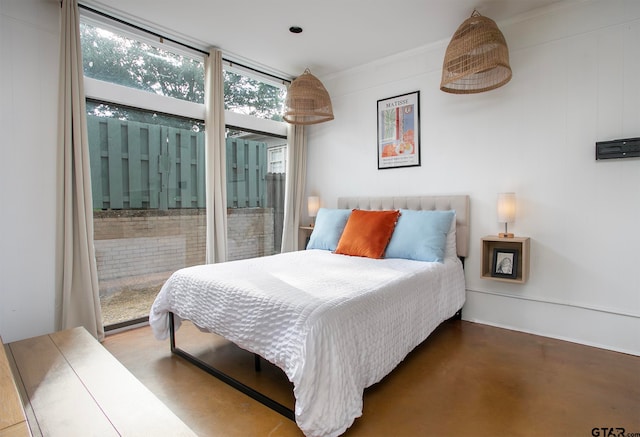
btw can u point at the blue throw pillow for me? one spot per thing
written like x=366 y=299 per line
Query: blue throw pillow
x=328 y=228
x=420 y=235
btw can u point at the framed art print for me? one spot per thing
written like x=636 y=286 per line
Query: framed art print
x=399 y=131
x=505 y=263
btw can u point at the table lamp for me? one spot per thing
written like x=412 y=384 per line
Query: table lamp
x=313 y=204
x=506 y=212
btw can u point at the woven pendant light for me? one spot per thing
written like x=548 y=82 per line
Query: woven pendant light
x=477 y=58
x=307 y=101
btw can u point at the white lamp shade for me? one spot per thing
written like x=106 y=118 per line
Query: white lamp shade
x=313 y=204
x=506 y=207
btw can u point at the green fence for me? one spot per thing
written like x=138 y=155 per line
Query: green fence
x=246 y=173
x=145 y=166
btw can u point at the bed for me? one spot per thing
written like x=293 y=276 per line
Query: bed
x=334 y=323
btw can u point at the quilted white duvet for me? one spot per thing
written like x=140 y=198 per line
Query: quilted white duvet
x=334 y=324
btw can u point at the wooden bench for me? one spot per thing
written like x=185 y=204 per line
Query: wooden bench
x=13 y=422
x=71 y=385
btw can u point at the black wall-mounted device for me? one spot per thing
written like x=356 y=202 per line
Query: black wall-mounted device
x=626 y=148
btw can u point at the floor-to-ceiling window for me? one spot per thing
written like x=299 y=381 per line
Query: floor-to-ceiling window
x=256 y=150
x=255 y=193
x=145 y=110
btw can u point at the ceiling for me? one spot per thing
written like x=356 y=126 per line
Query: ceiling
x=337 y=34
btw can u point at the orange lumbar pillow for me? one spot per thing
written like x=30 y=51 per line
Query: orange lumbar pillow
x=367 y=233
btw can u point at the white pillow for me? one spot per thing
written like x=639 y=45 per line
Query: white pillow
x=450 y=248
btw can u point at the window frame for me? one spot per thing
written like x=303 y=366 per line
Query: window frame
x=280 y=162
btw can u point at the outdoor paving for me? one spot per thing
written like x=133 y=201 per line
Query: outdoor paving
x=129 y=298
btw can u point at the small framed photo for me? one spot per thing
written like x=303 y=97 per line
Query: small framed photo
x=505 y=263
x=399 y=131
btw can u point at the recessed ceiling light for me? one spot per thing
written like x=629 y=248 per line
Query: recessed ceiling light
x=295 y=29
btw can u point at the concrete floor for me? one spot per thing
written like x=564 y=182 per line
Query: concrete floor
x=466 y=379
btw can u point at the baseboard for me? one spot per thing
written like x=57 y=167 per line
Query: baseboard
x=603 y=329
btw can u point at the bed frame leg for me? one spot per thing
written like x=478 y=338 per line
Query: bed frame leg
x=256 y=362
x=172 y=332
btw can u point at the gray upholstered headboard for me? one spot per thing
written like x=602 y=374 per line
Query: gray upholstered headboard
x=459 y=203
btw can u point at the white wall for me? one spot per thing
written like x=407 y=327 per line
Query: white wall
x=28 y=104
x=575 y=82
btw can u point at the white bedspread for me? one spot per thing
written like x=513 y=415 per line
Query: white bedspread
x=334 y=324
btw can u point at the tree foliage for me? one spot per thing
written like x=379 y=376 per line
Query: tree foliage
x=136 y=64
x=252 y=97
x=114 y=58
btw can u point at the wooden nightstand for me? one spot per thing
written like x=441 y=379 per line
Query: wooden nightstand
x=513 y=252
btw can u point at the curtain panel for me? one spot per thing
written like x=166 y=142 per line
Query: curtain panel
x=294 y=193
x=77 y=291
x=215 y=159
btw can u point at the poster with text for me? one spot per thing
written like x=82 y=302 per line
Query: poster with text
x=399 y=131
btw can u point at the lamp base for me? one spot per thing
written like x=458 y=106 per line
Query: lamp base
x=505 y=235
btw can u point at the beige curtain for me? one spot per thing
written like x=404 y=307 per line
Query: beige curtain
x=294 y=193
x=77 y=292
x=216 y=189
